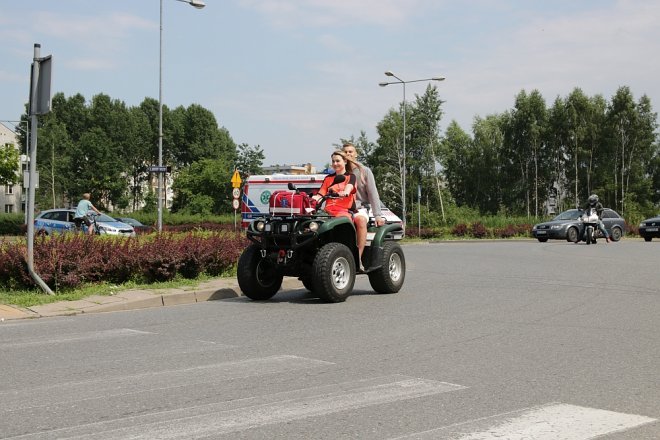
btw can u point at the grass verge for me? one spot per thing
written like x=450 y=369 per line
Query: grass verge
x=29 y=298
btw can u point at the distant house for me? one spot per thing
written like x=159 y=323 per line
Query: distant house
x=290 y=169
x=12 y=198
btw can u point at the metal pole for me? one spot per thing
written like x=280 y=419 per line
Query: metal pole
x=33 y=172
x=160 y=123
x=419 y=210
x=403 y=207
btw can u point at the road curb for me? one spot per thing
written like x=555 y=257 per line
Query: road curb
x=213 y=290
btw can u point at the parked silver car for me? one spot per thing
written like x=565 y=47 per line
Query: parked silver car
x=61 y=220
x=567 y=226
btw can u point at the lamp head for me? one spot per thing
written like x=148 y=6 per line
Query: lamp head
x=389 y=73
x=438 y=78
x=383 y=84
x=199 y=4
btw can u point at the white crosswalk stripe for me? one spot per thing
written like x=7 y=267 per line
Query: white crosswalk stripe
x=547 y=422
x=227 y=417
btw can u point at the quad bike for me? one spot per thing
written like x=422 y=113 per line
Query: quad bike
x=298 y=239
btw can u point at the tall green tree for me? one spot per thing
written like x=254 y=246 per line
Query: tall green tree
x=525 y=143
x=249 y=159
x=8 y=165
x=204 y=187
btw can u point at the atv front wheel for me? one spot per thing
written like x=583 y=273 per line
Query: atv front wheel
x=256 y=277
x=392 y=272
x=333 y=272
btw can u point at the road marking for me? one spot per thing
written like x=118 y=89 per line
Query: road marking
x=226 y=417
x=76 y=337
x=547 y=422
x=50 y=395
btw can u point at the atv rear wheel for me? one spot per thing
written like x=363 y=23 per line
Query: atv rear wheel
x=392 y=272
x=333 y=272
x=256 y=277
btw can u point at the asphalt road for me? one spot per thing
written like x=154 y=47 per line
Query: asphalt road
x=506 y=340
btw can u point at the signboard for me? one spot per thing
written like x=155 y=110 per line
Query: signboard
x=235 y=204
x=236 y=180
x=157 y=169
x=236 y=193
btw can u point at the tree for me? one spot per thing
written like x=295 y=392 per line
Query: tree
x=203 y=181
x=9 y=160
x=525 y=145
x=249 y=159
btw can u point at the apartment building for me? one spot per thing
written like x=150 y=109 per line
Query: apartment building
x=12 y=197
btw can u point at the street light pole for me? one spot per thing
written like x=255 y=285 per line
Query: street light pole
x=198 y=4
x=403 y=160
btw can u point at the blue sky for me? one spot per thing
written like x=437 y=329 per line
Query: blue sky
x=294 y=76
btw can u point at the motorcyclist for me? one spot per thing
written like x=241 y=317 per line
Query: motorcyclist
x=594 y=203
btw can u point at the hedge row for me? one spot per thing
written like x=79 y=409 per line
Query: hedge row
x=472 y=230
x=67 y=261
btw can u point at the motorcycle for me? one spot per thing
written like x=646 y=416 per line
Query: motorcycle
x=590 y=221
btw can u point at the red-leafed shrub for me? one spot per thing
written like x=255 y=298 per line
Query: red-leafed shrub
x=478 y=230
x=69 y=260
x=460 y=230
x=423 y=233
x=506 y=232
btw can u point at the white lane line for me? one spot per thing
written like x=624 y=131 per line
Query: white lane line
x=227 y=417
x=546 y=422
x=103 y=388
x=76 y=337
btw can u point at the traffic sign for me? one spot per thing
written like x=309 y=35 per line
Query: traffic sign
x=235 y=203
x=236 y=180
x=236 y=193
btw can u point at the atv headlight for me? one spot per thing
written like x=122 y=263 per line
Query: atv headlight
x=313 y=226
x=259 y=225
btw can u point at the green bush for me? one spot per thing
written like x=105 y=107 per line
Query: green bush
x=12 y=224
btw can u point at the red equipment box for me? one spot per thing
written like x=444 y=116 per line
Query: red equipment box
x=289 y=203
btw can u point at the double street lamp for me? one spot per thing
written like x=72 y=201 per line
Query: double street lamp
x=403 y=159
x=199 y=4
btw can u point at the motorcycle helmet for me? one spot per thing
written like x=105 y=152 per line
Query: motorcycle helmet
x=593 y=199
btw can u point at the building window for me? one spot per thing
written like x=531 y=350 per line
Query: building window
x=9 y=209
x=9 y=189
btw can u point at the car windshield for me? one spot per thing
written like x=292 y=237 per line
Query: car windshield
x=130 y=221
x=571 y=214
x=105 y=218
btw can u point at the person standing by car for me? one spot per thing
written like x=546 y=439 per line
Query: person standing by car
x=594 y=203
x=367 y=194
x=82 y=211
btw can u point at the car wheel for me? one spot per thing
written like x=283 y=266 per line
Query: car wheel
x=257 y=278
x=649 y=238
x=572 y=235
x=616 y=234
x=389 y=278
x=542 y=240
x=333 y=272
